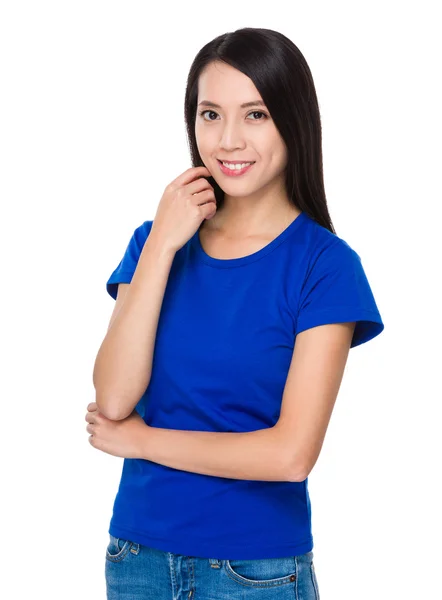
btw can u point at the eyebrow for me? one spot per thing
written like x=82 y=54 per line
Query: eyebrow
x=245 y=105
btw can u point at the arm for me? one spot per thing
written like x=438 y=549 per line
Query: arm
x=288 y=450
x=313 y=382
x=123 y=364
x=258 y=455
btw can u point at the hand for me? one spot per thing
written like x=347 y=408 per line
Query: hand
x=186 y=202
x=125 y=438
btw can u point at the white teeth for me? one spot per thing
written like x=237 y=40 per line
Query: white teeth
x=236 y=167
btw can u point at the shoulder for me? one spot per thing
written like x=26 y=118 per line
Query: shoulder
x=323 y=247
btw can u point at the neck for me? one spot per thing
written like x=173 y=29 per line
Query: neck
x=236 y=220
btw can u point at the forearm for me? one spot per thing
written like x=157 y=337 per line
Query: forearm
x=256 y=455
x=123 y=364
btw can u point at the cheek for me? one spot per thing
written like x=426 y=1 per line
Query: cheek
x=278 y=155
x=277 y=149
x=202 y=142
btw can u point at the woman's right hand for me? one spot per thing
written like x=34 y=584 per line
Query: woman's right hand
x=186 y=202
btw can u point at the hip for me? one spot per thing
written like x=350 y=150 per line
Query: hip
x=139 y=572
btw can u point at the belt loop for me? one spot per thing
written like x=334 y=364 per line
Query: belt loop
x=215 y=563
x=135 y=548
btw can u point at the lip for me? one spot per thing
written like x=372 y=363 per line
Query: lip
x=236 y=162
x=235 y=172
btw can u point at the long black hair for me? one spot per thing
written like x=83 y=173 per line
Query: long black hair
x=282 y=76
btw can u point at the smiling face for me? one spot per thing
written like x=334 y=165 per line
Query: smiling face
x=233 y=133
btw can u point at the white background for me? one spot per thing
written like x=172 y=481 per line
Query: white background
x=92 y=130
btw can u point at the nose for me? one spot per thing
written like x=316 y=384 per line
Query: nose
x=232 y=138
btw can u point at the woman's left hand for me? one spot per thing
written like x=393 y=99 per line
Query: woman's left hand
x=125 y=438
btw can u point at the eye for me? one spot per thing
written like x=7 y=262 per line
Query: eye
x=258 y=112
x=255 y=112
x=207 y=111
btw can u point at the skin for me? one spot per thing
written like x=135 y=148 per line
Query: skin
x=255 y=204
x=125 y=438
x=256 y=208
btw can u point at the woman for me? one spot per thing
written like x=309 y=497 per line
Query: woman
x=200 y=386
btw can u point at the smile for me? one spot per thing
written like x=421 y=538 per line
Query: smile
x=234 y=171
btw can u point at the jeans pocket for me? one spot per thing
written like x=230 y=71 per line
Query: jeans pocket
x=117 y=548
x=265 y=572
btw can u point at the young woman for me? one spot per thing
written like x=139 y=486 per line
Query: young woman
x=235 y=311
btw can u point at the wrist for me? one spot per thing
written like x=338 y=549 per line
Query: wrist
x=159 y=248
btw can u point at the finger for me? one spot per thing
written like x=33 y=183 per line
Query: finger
x=190 y=175
x=92 y=406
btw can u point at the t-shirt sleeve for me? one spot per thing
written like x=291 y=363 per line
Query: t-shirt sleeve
x=127 y=265
x=336 y=290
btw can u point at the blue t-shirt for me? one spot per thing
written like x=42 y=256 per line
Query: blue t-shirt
x=224 y=344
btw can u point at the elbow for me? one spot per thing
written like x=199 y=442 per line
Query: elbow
x=293 y=465
x=110 y=408
x=297 y=475
x=117 y=404
x=300 y=470
x=297 y=470
x=281 y=456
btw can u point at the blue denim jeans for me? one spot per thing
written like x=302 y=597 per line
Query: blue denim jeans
x=137 y=572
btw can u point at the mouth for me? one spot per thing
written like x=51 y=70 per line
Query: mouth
x=235 y=172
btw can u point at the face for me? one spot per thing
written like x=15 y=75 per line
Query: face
x=230 y=132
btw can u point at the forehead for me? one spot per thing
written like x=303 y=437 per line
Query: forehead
x=225 y=85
